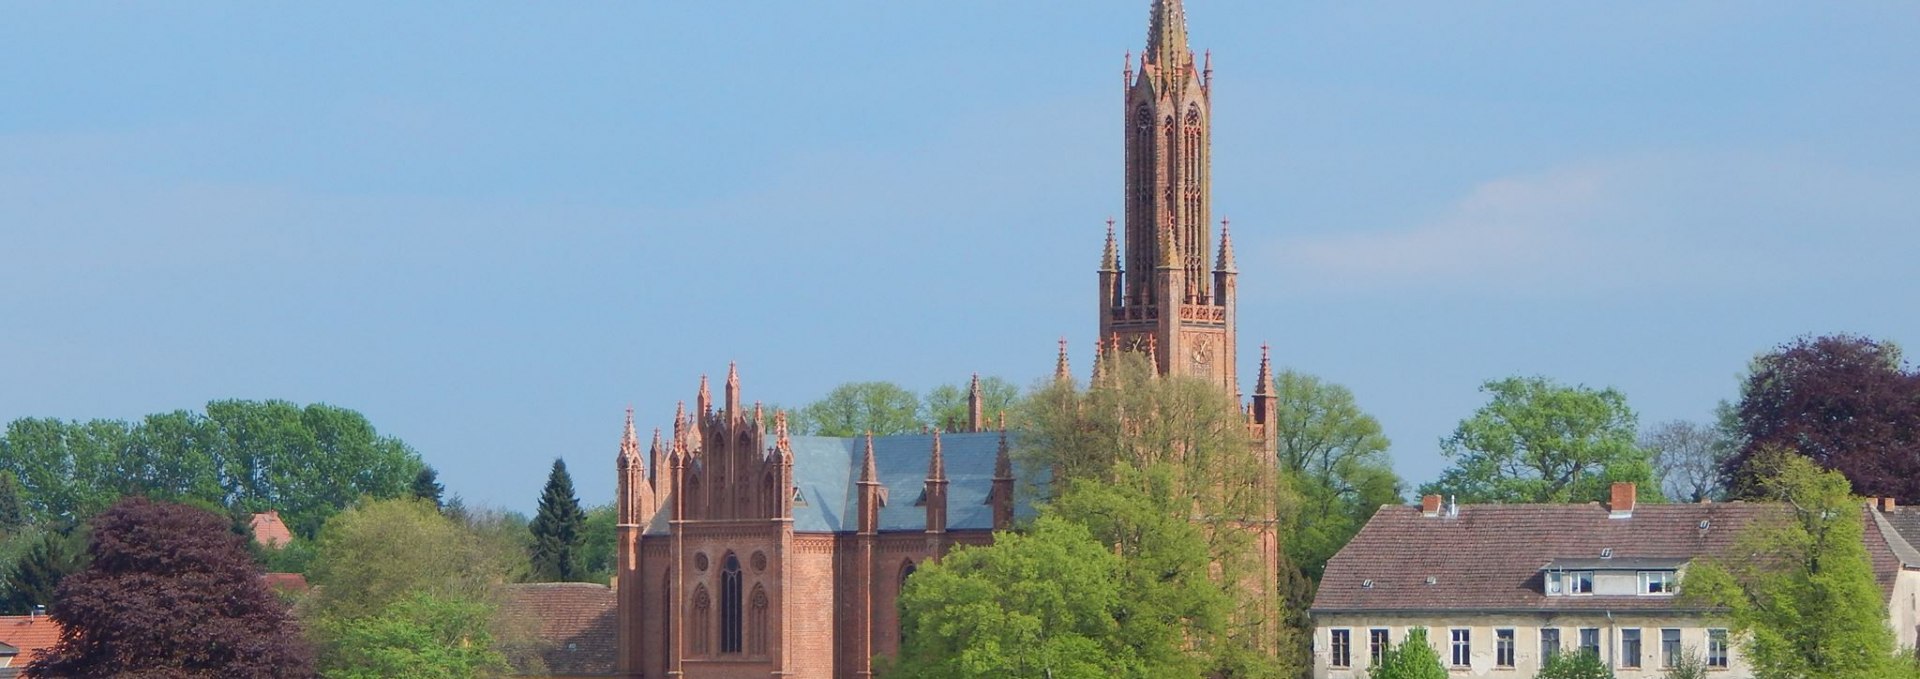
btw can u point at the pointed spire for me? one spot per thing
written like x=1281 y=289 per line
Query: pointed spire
x=703 y=404
x=1224 y=263
x=1061 y=371
x=937 y=464
x=629 y=444
x=733 y=388
x=780 y=429
x=1110 y=259
x=1099 y=362
x=1169 y=259
x=679 y=420
x=1153 y=355
x=1003 y=458
x=869 y=474
x=759 y=417
x=653 y=451
x=1266 y=373
x=1167 y=37
x=976 y=404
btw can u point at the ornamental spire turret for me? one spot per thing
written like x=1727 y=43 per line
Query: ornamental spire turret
x=1224 y=262
x=976 y=403
x=869 y=473
x=703 y=403
x=1167 y=40
x=1062 y=371
x=937 y=462
x=1110 y=258
x=629 y=444
x=733 y=389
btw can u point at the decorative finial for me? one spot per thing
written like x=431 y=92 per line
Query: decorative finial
x=1224 y=263
x=1061 y=371
x=869 y=472
x=1110 y=257
x=1266 y=373
x=937 y=464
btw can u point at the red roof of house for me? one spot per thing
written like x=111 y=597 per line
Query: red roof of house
x=1490 y=557
x=32 y=634
x=270 y=531
x=575 y=624
x=286 y=582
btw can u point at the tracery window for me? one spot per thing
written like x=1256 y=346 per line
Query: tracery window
x=701 y=625
x=730 y=618
x=757 y=622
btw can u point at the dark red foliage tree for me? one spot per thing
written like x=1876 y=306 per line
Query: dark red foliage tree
x=1846 y=402
x=171 y=593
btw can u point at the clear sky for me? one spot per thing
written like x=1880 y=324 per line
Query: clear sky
x=492 y=227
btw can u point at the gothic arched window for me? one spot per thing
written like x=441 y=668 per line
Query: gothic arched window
x=730 y=622
x=906 y=571
x=757 y=622
x=701 y=625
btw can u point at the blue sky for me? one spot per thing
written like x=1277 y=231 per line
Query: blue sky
x=492 y=227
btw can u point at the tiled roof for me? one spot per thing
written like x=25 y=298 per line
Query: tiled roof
x=1906 y=521
x=287 y=582
x=270 y=531
x=1489 y=557
x=574 y=622
x=32 y=634
x=826 y=470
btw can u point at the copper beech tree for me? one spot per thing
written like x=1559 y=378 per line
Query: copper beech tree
x=1846 y=402
x=171 y=592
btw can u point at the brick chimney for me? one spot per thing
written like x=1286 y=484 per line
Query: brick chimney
x=1430 y=505
x=1888 y=504
x=1625 y=494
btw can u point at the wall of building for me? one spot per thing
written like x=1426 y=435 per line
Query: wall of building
x=1903 y=609
x=1481 y=630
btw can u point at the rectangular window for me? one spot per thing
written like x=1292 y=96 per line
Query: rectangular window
x=1630 y=648
x=1590 y=641
x=1717 y=648
x=1378 y=641
x=1503 y=648
x=1341 y=649
x=1580 y=582
x=1656 y=582
x=1669 y=647
x=1462 y=648
x=1553 y=582
x=1549 y=643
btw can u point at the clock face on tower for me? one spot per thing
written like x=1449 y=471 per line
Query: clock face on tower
x=1137 y=343
x=1202 y=354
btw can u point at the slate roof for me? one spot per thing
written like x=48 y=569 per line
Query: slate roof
x=31 y=634
x=574 y=623
x=1906 y=522
x=1489 y=557
x=826 y=470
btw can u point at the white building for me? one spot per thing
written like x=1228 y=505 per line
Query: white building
x=1501 y=587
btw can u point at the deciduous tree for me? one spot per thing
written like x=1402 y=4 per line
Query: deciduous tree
x=1335 y=455
x=1412 y=658
x=1846 y=402
x=1687 y=457
x=1541 y=441
x=170 y=592
x=559 y=531
x=1800 y=589
x=421 y=636
x=1574 y=666
x=853 y=408
x=946 y=405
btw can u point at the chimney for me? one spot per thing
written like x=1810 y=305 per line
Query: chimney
x=1888 y=504
x=1430 y=505
x=1624 y=496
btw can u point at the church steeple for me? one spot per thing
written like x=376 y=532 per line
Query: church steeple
x=1164 y=284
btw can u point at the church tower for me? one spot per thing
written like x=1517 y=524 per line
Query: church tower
x=1157 y=294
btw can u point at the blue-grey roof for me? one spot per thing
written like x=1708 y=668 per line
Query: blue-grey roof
x=827 y=469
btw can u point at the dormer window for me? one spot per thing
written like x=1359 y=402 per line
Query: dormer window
x=1657 y=582
x=1580 y=582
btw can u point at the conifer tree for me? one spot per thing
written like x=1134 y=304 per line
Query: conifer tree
x=33 y=579
x=426 y=486
x=559 y=531
x=13 y=509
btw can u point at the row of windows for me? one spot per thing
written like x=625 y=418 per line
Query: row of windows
x=1461 y=646
x=1581 y=582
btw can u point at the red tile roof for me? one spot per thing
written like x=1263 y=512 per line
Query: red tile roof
x=574 y=622
x=1489 y=557
x=32 y=634
x=287 y=582
x=270 y=531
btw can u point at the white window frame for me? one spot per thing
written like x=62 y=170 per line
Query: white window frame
x=1639 y=648
x=1462 y=646
x=1506 y=648
x=1335 y=646
x=1666 y=579
x=1717 y=640
x=1574 y=587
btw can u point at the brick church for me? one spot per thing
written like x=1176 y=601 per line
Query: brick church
x=749 y=552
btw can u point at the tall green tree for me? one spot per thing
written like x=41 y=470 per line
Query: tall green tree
x=398 y=585
x=599 y=542
x=426 y=485
x=1166 y=589
x=171 y=592
x=945 y=406
x=1036 y=605
x=1335 y=455
x=33 y=577
x=1412 y=658
x=1801 y=588
x=559 y=531
x=13 y=509
x=1537 y=440
x=1134 y=418
x=851 y=409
